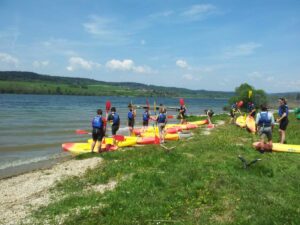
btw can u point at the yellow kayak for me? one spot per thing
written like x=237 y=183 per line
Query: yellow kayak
x=128 y=141
x=241 y=121
x=277 y=147
x=250 y=123
x=82 y=148
x=170 y=137
x=199 y=122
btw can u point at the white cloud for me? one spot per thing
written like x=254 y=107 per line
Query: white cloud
x=8 y=59
x=181 y=63
x=98 y=26
x=163 y=14
x=198 y=11
x=242 y=49
x=127 y=65
x=190 y=77
x=39 y=64
x=80 y=63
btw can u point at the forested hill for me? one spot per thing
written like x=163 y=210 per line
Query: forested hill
x=33 y=83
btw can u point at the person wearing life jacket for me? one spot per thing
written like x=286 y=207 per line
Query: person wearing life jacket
x=98 y=130
x=283 y=113
x=114 y=119
x=251 y=109
x=182 y=115
x=234 y=110
x=265 y=124
x=131 y=118
x=146 y=117
x=161 y=122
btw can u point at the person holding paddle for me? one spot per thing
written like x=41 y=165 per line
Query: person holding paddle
x=98 y=131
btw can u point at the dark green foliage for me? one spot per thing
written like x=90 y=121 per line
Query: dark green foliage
x=28 y=83
x=241 y=94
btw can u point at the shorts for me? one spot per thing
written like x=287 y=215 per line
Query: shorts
x=145 y=123
x=283 y=124
x=97 y=134
x=265 y=131
x=131 y=123
x=114 y=129
x=161 y=126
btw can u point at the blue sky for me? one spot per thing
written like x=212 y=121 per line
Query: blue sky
x=212 y=45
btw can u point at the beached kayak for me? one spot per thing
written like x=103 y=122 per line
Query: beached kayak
x=82 y=148
x=277 y=147
x=250 y=123
x=147 y=140
x=241 y=121
x=170 y=137
x=128 y=141
x=199 y=122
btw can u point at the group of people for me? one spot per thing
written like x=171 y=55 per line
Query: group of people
x=99 y=123
x=265 y=120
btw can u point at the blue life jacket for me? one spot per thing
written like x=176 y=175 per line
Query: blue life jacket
x=130 y=115
x=250 y=107
x=233 y=106
x=97 y=122
x=283 y=109
x=145 y=116
x=161 y=118
x=264 y=119
x=116 y=119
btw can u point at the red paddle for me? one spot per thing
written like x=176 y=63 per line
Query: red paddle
x=181 y=101
x=82 y=132
x=170 y=117
x=108 y=105
x=119 y=137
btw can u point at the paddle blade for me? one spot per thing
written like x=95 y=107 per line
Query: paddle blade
x=181 y=101
x=170 y=117
x=148 y=105
x=240 y=104
x=81 y=132
x=108 y=105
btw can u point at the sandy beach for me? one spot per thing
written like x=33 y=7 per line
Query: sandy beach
x=21 y=194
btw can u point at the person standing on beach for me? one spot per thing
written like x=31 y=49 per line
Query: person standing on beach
x=162 y=121
x=283 y=112
x=209 y=113
x=233 y=112
x=114 y=119
x=131 y=118
x=251 y=109
x=98 y=131
x=182 y=112
x=265 y=124
x=146 y=117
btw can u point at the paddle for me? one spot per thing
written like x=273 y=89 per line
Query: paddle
x=181 y=101
x=78 y=131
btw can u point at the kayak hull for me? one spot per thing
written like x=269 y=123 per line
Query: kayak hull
x=277 y=147
x=250 y=123
x=83 y=148
x=241 y=121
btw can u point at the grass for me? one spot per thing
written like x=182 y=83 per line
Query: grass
x=201 y=181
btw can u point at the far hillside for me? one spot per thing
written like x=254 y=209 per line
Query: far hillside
x=32 y=83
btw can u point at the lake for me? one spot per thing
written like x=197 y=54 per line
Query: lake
x=33 y=127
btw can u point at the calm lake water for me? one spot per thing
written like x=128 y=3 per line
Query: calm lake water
x=33 y=127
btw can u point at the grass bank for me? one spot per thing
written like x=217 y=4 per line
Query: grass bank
x=201 y=181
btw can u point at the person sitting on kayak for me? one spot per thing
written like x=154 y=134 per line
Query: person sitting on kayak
x=283 y=112
x=146 y=117
x=98 y=131
x=251 y=109
x=114 y=119
x=265 y=124
x=182 y=115
x=162 y=121
x=233 y=112
x=131 y=119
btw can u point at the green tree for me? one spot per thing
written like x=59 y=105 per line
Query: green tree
x=258 y=97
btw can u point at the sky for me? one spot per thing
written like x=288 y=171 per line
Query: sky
x=211 y=45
